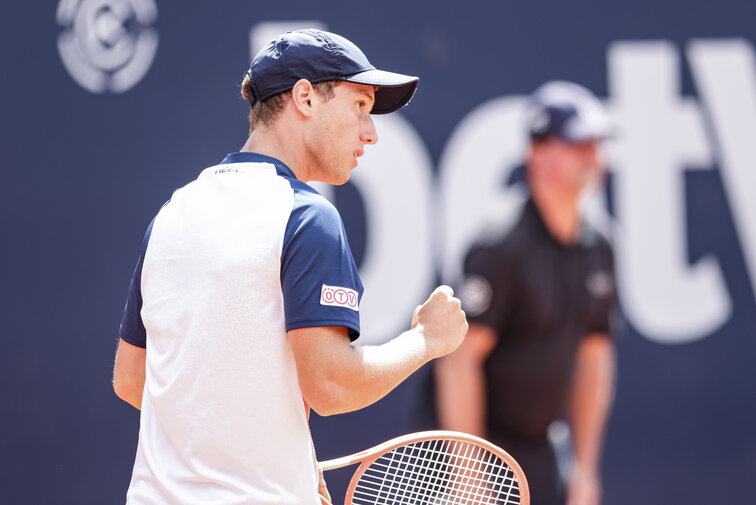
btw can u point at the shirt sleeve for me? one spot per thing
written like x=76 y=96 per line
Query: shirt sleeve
x=603 y=314
x=484 y=290
x=132 y=328
x=320 y=282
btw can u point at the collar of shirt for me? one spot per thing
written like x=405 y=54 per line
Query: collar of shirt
x=247 y=157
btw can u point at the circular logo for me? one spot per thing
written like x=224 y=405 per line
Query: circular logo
x=328 y=295
x=600 y=284
x=352 y=299
x=107 y=45
x=475 y=294
x=340 y=296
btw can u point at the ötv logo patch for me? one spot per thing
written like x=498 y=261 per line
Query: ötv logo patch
x=107 y=45
x=339 y=297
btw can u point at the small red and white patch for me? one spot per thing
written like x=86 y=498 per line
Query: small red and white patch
x=336 y=296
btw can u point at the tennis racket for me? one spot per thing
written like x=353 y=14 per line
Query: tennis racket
x=434 y=468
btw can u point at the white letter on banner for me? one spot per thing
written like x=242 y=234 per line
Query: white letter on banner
x=725 y=75
x=661 y=134
x=265 y=31
x=478 y=158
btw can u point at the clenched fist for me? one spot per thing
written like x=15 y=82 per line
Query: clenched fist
x=441 y=320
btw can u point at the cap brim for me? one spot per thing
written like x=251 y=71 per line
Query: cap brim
x=591 y=123
x=603 y=130
x=394 y=90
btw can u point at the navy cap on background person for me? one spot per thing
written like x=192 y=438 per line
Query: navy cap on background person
x=320 y=56
x=568 y=111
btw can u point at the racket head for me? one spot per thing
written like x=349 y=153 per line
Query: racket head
x=438 y=468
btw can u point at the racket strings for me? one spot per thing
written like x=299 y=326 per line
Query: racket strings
x=482 y=475
x=474 y=484
x=463 y=492
x=438 y=472
x=427 y=481
x=452 y=466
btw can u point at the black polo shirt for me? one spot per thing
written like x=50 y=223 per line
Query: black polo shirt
x=541 y=297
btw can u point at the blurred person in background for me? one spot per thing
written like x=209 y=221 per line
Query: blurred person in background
x=539 y=296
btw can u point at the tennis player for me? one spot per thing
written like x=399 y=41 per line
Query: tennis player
x=245 y=298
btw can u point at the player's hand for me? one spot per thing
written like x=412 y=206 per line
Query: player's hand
x=441 y=320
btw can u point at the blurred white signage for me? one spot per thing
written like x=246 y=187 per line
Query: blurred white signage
x=667 y=297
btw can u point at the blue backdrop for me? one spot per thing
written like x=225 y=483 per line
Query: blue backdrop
x=109 y=105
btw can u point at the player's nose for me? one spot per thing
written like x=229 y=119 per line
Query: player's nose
x=368 y=133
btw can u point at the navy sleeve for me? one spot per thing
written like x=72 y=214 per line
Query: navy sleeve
x=132 y=328
x=320 y=282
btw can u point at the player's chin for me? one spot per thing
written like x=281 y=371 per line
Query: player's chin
x=342 y=177
x=348 y=167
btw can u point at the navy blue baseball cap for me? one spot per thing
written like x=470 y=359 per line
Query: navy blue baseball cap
x=319 y=56
x=568 y=111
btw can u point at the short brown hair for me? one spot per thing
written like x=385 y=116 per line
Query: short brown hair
x=264 y=111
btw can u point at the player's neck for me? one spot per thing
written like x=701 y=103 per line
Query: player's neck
x=276 y=144
x=559 y=210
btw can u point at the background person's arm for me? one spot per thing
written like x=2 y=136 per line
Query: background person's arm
x=461 y=383
x=336 y=377
x=592 y=392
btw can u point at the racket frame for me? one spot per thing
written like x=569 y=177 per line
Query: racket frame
x=368 y=456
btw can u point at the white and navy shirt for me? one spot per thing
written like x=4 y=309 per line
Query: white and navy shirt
x=232 y=262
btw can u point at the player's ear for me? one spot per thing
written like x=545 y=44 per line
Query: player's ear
x=302 y=95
